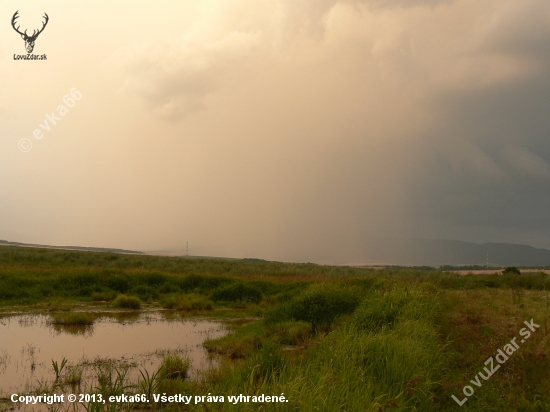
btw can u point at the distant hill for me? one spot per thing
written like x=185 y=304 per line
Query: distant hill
x=437 y=252
x=81 y=248
x=400 y=252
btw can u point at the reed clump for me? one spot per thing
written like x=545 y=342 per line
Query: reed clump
x=127 y=302
x=72 y=318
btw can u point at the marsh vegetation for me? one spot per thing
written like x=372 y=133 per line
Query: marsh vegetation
x=329 y=338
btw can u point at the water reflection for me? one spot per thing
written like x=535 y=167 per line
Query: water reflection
x=83 y=330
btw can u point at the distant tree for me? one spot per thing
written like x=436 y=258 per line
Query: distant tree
x=511 y=270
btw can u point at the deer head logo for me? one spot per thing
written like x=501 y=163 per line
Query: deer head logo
x=29 y=40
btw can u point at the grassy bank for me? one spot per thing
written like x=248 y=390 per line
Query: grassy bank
x=329 y=338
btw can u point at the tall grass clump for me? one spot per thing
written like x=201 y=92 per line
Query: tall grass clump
x=174 y=367
x=73 y=318
x=58 y=368
x=73 y=376
x=264 y=366
x=112 y=379
x=170 y=301
x=127 y=302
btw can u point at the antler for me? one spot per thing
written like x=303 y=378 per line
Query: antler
x=43 y=25
x=15 y=16
x=34 y=33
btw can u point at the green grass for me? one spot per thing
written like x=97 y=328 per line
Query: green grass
x=345 y=368
x=30 y=276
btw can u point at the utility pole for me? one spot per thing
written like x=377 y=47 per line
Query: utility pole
x=487 y=259
x=187 y=249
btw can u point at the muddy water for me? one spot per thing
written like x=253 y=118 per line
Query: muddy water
x=29 y=343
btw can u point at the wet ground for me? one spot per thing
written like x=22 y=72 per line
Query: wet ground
x=30 y=343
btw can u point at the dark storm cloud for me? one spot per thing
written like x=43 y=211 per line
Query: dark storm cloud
x=488 y=168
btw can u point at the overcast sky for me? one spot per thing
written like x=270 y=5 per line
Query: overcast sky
x=278 y=129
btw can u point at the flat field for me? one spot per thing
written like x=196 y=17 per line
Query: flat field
x=328 y=338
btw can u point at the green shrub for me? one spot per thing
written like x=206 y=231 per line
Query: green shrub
x=511 y=270
x=127 y=302
x=321 y=305
x=238 y=292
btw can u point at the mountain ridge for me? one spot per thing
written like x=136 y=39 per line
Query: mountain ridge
x=437 y=252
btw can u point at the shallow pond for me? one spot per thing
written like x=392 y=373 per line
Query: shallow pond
x=29 y=344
